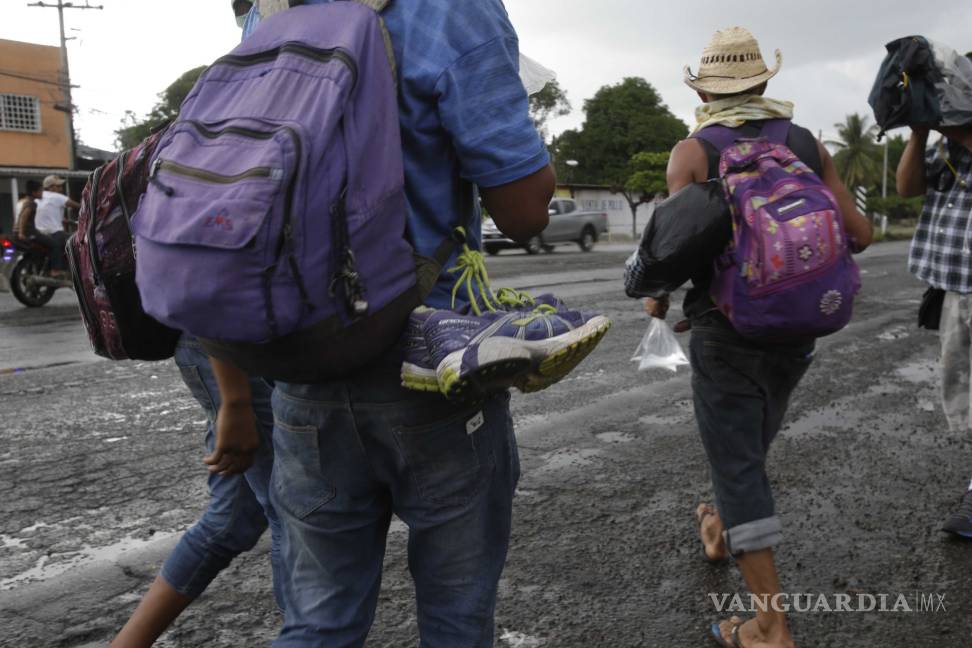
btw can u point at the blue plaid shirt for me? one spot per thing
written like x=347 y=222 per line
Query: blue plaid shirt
x=464 y=112
x=941 y=251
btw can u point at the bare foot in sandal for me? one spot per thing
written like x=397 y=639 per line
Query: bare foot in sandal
x=738 y=633
x=710 y=532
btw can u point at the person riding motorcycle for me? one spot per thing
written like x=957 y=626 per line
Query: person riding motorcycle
x=51 y=218
x=27 y=229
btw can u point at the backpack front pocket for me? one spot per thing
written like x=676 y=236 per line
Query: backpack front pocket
x=219 y=187
x=213 y=222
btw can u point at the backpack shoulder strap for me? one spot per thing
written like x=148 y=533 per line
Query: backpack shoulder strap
x=721 y=137
x=378 y=6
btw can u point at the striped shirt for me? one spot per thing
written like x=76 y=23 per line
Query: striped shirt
x=941 y=250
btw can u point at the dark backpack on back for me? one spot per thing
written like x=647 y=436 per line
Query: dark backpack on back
x=102 y=260
x=904 y=92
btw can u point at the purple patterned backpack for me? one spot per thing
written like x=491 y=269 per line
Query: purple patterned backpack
x=788 y=272
x=102 y=261
x=273 y=227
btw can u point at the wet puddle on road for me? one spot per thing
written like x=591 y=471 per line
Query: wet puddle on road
x=45 y=569
x=615 y=437
x=7 y=542
x=511 y=639
x=894 y=333
x=923 y=372
x=684 y=414
x=561 y=459
x=912 y=379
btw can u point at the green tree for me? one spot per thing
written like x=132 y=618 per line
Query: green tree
x=896 y=147
x=134 y=130
x=547 y=104
x=620 y=122
x=859 y=157
x=646 y=180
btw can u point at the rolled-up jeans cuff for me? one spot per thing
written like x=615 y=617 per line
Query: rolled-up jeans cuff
x=754 y=536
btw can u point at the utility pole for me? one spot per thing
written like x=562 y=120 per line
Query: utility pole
x=66 y=84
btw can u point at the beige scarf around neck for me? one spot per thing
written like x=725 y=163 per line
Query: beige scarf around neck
x=735 y=111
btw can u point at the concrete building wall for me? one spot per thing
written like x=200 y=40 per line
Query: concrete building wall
x=33 y=70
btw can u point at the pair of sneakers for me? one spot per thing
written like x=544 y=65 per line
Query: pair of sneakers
x=502 y=340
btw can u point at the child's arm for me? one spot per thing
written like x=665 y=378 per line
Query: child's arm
x=236 y=433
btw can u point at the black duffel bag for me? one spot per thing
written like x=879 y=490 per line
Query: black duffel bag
x=684 y=236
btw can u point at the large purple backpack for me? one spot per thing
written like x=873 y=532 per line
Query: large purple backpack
x=273 y=227
x=102 y=261
x=788 y=272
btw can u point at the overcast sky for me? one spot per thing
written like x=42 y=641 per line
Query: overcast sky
x=125 y=55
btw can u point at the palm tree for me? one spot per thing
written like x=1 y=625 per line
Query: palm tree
x=858 y=157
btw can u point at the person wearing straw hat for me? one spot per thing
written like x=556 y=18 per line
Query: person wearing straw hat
x=742 y=387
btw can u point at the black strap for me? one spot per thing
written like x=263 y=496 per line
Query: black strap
x=345 y=277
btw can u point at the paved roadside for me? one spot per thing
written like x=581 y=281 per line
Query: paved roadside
x=100 y=469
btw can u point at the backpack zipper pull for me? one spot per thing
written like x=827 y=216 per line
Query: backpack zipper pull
x=153 y=178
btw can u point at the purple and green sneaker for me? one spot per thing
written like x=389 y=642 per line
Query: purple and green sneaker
x=418 y=372
x=470 y=359
x=564 y=358
x=497 y=341
x=475 y=355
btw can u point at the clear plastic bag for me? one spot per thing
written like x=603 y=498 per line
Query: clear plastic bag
x=659 y=348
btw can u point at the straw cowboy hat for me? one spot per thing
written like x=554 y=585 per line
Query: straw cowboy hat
x=731 y=63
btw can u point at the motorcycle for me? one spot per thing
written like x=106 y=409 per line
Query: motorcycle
x=25 y=268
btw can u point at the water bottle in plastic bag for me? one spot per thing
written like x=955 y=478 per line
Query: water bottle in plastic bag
x=659 y=348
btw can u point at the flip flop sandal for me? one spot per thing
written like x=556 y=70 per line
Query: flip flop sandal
x=717 y=636
x=699 y=518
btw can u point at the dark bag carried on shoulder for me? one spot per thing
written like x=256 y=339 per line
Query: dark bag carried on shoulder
x=930 y=311
x=685 y=233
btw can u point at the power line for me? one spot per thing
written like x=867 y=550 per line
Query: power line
x=66 y=87
x=24 y=77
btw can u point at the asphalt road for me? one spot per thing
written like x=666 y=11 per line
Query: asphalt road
x=100 y=469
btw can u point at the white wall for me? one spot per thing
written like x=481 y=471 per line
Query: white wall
x=619 y=214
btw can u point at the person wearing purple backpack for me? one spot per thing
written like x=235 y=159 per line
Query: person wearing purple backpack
x=742 y=386
x=350 y=453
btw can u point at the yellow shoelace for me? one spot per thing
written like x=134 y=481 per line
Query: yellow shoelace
x=515 y=298
x=471 y=268
x=539 y=312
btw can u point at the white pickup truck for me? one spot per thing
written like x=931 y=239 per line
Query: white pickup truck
x=567 y=225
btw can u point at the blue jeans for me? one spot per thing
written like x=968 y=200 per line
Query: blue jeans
x=239 y=509
x=741 y=392
x=348 y=455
